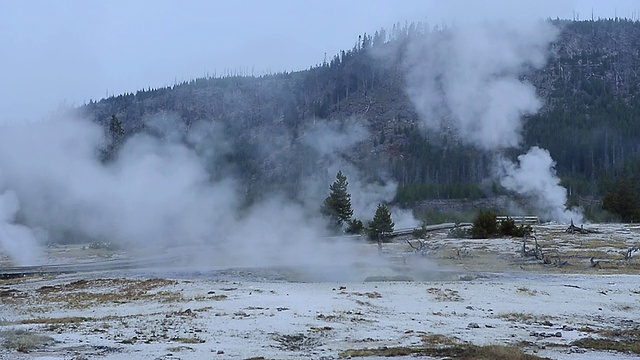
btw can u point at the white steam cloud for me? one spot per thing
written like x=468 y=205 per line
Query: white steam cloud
x=467 y=78
x=543 y=190
x=469 y=81
x=17 y=240
x=157 y=193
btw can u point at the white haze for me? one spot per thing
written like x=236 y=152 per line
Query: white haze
x=156 y=194
x=543 y=190
x=18 y=241
x=468 y=80
x=331 y=139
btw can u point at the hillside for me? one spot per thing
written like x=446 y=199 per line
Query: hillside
x=589 y=118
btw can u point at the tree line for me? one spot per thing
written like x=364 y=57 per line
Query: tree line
x=590 y=122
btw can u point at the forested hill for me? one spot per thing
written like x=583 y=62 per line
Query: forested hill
x=590 y=120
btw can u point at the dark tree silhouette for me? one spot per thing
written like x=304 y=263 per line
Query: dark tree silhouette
x=381 y=222
x=337 y=206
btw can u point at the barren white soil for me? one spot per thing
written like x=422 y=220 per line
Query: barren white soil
x=456 y=292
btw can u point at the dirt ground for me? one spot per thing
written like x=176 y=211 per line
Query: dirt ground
x=579 y=299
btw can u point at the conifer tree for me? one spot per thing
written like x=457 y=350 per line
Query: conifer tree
x=381 y=222
x=337 y=206
x=114 y=137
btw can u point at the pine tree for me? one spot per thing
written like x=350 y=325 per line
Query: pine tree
x=623 y=200
x=337 y=206
x=116 y=131
x=381 y=222
x=115 y=138
x=485 y=225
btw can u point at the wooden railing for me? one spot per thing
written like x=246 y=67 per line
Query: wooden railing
x=522 y=220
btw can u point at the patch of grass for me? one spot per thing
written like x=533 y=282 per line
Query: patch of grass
x=125 y=285
x=86 y=293
x=522 y=317
x=370 y=295
x=185 y=340
x=598 y=243
x=179 y=348
x=626 y=334
x=296 y=342
x=621 y=340
x=10 y=293
x=62 y=320
x=590 y=253
x=527 y=291
x=439 y=340
x=383 y=351
x=632 y=346
x=460 y=351
x=444 y=294
x=25 y=341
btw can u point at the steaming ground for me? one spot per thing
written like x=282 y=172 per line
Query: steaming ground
x=159 y=192
x=163 y=190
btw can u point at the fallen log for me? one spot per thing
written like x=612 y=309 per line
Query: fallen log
x=572 y=229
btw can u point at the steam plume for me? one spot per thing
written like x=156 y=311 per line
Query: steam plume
x=469 y=80
x=544 y=189
x=161 y=191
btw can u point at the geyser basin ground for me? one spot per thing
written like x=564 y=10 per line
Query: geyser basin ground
x=251 y=312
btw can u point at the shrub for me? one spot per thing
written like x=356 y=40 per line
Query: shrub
x=508 y=228
x=485 y=225
x=355 y=227
x=419 y=233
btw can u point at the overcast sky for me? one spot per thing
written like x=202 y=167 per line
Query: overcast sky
x=68 y=52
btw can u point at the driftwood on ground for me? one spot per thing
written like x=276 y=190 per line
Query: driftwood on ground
x=572 y=229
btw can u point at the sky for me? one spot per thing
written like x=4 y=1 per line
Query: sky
x=67 y=52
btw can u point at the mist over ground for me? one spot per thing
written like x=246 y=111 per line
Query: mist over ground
x=159 y=192
x=169 y=186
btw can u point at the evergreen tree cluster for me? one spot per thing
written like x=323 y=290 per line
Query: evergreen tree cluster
x=486 y=225
x=623 y=200
x=337 y=209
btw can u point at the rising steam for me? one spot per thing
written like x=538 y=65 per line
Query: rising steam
x=469 y=80
x=543 y=190
x=330 y=140
x=160 y=192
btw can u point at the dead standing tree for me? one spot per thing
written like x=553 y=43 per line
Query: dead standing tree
x=631 y=250
x=421 y=248
x=537 y=251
